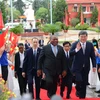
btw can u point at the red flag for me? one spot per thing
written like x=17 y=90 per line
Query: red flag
x=12 y=49
x=1 y=21
x=13 y=38
x=3 y=37
x=99 y=17
x=82 y=19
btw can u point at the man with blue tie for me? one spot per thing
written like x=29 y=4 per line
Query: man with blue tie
x=81 y=63
x=30 y=68
x=52 y=62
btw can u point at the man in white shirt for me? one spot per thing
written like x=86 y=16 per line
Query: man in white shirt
x=19 y=58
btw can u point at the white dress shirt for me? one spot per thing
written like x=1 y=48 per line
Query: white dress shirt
x=54 y=49
x=21 y=59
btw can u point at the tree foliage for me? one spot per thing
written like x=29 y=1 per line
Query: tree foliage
x=40 y=3
x=3 y=9
x=79 y=13
x=42 y=13
x=16 y=13
x=74 y=21
x=59 y=10
x=19 y=4
x=94 y=17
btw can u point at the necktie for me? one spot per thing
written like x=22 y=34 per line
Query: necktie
x=67 y=55
x=35 y=53
x=83 y=47
x=55 y=52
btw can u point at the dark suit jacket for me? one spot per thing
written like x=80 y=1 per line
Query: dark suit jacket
x=52 y=65
x=81 y=59
x=69 y=62
x=17 y=62
x=40 y=42
x=29 y=60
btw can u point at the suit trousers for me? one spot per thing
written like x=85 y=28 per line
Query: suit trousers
x=22 y=81
x=51 y=82
x=30 y=77
x=81 y=85
x=4 y=72
x=66 y=81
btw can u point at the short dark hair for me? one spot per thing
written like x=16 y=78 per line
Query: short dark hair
x=66 y=42
x=20 y=44
x=83 y=33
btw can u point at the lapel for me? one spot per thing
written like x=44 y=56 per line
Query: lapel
x=19 y=58
x=38 y=50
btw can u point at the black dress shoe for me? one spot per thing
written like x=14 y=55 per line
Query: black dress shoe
x=68 y=97
x=38 y=99
x=61 y=94
x=98 y=95
x=97 y=91
x=77 y=94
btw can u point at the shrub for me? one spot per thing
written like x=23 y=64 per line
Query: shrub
x=17 y=30
x=51 y=28
x=74 y=21
x=60 y=24
x=38 y=24
x=82 y=27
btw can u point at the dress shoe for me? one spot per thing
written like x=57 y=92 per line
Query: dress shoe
x=98 y=95
x=97 y=91
x=77 y=94
x=61 y=94
x=38 y=98
x=68 y=97
x=49 y=96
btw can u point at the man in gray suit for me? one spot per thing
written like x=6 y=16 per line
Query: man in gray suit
x=52 y=61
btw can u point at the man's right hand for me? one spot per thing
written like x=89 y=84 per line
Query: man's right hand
x=15 y=75
x=23 y=74
x=78 y=46
x=39 y=73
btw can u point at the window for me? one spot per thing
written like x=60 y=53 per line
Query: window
x=83 y=8
x=75 y=8
x=91 y=8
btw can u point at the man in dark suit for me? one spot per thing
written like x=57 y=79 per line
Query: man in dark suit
x=19 y=58
x=41 y=42
x=67 y=80
x=30 y=68
x=27 y=45
x=53 y=63
x=81 y=62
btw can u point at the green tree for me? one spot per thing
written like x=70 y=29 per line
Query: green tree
x=74 y=21
x=94 y=17
x=40 y=3
x=3 y=9
x=16 y=13
x=59 y=10
x=42 y=13
x=79 y=13
x=19 y=4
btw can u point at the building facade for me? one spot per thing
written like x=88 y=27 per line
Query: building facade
x=87 y=8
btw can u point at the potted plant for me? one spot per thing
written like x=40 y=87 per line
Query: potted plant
x=18 y=30
x=51 y=28
x=66 y=28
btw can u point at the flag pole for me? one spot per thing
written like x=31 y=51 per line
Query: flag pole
x=51 y=11
x=11 y=11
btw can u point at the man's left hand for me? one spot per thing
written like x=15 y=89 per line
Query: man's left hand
x=64 y=73
x=94 y=69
